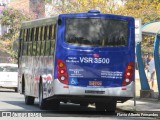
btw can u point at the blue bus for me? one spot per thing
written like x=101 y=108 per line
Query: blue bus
x=81 y=58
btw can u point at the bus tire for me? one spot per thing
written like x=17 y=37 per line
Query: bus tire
x=29 y=100
x=16 y=89
x=54 y=104
x=111 y=106
x=42 y=102
x=84 y=104
x=23 y=85
x=100 y=106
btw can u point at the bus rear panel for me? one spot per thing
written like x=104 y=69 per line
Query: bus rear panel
x=94 y=56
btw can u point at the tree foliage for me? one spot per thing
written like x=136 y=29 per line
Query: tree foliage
x=72 y=6
x=147 y=10
x=12 y=19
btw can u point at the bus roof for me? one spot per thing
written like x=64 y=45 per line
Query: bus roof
x=39 y=22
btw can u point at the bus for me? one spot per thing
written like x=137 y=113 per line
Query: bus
x=82 y=58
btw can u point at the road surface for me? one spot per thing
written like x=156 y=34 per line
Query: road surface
x=11 y=101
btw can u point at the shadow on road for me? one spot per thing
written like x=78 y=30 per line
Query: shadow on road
x=66 y=110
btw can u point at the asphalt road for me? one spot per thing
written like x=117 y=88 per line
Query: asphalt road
x=11 y=101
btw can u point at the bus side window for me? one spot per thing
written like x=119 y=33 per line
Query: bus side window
x=24 y=44
x=54 y=31
x=51 y=32
x=42 y=34
x=52 y=46
x=27 y=35
x=29 y=48
x=48 y=47
x=46 y=35
x=53 y=39
x=24 y=48
x=42 y=48
x=40 y=40
x=38 y=48
x=20 y=43
x=34 y=50
x=28 y=38
x=36 y=31
x=37 y=34
x=37 y=38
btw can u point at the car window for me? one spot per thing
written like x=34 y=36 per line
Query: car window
x=8 y=69
x=1 y=69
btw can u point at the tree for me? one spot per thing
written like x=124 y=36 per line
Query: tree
x=147 y=10
x=72 y=6
x=13 y=19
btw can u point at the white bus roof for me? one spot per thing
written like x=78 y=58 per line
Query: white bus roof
x=39 y=22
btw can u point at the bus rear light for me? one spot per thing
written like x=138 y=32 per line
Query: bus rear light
x=62 y=78
x=128 y=75
x=124 y=89
x=129 y=67
x=62 y=72
x=61 y=65
x=127 y=80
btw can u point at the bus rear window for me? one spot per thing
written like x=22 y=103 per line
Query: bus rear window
x=96 y=32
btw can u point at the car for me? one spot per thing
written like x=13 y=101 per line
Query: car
x=9 y=76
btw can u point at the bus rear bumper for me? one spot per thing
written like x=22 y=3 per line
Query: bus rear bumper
x=126 y=91
x=76 y=94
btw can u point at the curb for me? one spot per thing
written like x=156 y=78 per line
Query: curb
x=148 y=99
x=135 y=112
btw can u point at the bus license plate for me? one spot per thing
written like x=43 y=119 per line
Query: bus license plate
x=95 y=83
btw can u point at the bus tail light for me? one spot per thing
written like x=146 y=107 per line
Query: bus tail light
x=62 y=72
x=128 y=74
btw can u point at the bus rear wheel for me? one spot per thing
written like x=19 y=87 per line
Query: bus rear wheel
x=16 y=89
x=84 y=104
x=29 y=100
x=111 y=106
x=107 y=107
x=53 y=104
x=42 y=102
x=100 y=106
